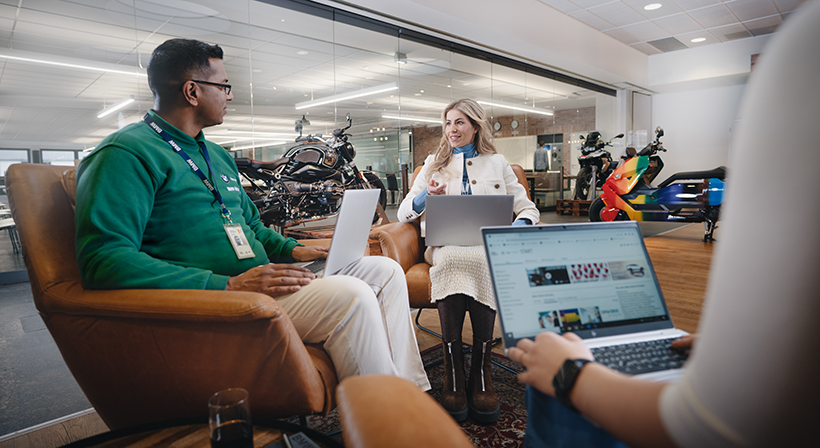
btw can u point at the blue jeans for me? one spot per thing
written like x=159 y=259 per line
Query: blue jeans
x=550 y=424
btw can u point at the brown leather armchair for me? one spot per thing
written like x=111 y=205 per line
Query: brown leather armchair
x=402 y=242
x=152 y=354
x=380 y=411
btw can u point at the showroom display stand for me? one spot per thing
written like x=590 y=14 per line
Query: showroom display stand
x=573 y=207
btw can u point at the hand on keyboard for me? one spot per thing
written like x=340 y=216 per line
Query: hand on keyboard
x=308 y=253
x=641 y=357
x=685 y=344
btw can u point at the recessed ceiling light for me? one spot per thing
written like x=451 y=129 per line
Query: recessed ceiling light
x=302 y=52
x=652 y=6
x=698 y=39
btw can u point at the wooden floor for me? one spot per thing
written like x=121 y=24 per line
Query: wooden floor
x=680 y=258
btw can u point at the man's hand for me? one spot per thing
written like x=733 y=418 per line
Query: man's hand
x=272 y=279
x=308 y=253
x=436 y=188
x=544 y=356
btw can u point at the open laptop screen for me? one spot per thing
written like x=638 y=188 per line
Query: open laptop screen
x=592 y=279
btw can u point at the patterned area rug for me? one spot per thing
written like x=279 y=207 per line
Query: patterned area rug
x=508 y=431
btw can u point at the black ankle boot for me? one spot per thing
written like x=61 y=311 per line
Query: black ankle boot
x=484 y=407
x=454 y=394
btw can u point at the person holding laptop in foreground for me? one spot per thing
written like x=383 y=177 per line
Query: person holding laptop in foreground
x=158 y=206
x=466 y=162
x=751 y=379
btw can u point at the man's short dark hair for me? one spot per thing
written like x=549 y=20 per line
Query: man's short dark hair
x=178 y=60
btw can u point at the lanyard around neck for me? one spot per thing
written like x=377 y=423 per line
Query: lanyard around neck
x=194 y=167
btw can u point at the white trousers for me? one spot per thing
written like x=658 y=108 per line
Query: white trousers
x=362 y=315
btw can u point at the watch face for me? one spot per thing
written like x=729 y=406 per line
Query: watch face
x=514 y=124
x=497 y=126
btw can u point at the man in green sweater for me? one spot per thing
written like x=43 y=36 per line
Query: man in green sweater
x=158 y=206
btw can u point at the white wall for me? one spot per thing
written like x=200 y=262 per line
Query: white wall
x=698 y=127
x=701 y=64
x=698 y=100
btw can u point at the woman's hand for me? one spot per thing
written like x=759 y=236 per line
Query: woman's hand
x=436 y=188
x=544 y=356
x=308 y=253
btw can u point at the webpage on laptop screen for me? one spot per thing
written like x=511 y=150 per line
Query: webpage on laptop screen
x=572 y=280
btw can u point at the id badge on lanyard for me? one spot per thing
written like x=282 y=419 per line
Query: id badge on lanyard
x=234 y=232
x=239 y=241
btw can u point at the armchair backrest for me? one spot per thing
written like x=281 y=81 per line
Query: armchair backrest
x=45 y=222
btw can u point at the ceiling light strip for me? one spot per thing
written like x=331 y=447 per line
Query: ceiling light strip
x=408 y=118
x=259 y=145
x=235 y=134
x=115 y=107
x=518 y=108
x=63 y=64
x=347 y=96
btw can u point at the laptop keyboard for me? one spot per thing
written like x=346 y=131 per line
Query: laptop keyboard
x=316 y=266
x=641 y=357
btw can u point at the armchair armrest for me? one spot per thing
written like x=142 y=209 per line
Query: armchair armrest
x=400 y=241
x=161 y=304
x=164 y=304
x=379 y=410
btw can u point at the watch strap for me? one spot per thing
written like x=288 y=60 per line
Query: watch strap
x=565 y=379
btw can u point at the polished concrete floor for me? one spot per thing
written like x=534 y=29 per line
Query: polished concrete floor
x=35 y=384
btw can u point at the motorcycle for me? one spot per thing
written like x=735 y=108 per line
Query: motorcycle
x=628 y=194
x=596 y=164
x=308 y=181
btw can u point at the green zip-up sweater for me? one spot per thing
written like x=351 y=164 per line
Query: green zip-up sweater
x=145 y=220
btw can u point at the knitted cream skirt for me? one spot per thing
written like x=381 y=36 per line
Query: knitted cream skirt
x=460 y=270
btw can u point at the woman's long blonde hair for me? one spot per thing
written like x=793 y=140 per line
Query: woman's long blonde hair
x=483 y=138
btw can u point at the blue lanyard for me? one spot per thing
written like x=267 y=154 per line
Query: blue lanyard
x=153 y=125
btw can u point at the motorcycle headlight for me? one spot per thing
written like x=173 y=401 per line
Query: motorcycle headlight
x=348 y=151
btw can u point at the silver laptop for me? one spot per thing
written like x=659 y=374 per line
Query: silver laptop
x=456 y=220
x=350 y=234
x=593 y=279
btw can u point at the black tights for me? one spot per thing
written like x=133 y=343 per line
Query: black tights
x=451 y=312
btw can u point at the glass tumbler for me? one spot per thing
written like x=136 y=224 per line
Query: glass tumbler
x=230 y=419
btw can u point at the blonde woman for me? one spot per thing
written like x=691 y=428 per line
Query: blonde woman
x=465 y=162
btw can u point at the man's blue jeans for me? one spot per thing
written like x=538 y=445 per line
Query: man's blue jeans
x=550 y=424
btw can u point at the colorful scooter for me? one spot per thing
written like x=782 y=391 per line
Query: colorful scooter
x=684 y=197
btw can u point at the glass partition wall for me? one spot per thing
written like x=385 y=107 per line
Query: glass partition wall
x=66 y=66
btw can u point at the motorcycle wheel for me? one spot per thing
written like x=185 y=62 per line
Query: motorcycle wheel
x=595 y=210
x=598 y=206
x=582 y=184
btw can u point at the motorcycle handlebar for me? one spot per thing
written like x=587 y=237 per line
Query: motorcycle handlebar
x=340 y=132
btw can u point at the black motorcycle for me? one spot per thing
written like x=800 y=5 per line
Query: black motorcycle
x=596 y=163
x=308 y=181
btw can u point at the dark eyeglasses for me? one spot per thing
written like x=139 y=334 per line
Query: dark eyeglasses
x=225 y=87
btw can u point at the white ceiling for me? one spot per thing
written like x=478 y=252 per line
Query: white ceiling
x=275 y=58
x=677 y=22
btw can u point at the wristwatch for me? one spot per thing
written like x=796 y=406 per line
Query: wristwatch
x=564 y=380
